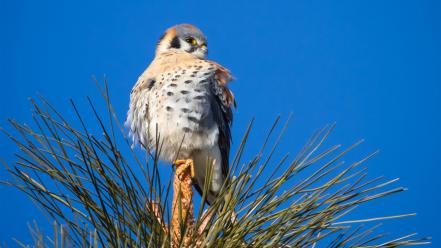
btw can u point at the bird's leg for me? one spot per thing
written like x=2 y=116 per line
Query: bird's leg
x=182 y=165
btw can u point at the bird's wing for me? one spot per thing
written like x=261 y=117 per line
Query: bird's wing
x=222 y=112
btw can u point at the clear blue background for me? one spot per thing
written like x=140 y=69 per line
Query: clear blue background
x=374 y=67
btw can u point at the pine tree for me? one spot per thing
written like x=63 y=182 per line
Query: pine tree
x=101 y=193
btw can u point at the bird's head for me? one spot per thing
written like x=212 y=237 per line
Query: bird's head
x=184 y=37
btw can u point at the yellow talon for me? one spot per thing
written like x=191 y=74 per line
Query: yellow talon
x=182 y=165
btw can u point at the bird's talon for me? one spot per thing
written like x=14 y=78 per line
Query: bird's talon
x=182 y=165
x=192 y=173
x=179 y=162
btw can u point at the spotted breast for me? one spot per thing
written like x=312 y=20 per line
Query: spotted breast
x=178 y=104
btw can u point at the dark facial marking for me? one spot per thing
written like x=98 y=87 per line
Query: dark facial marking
x=184 y=92
x=168 y=108
x=175 y=43
x=187 y=81
x=186 y=129
x=185 y=110
x=169 y=93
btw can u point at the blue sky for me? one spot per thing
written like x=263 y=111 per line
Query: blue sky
x=373 y=67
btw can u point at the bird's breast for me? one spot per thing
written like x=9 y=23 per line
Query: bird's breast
x=180 y=108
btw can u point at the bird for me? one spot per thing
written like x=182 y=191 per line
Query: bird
x=181 y=107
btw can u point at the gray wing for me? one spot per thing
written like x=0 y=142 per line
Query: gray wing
x=223 y=116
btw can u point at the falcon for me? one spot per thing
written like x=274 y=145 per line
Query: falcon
x=181 y=107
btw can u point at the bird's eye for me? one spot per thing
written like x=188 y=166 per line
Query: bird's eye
x=191 y=41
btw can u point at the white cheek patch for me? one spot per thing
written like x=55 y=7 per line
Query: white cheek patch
x=185 y=46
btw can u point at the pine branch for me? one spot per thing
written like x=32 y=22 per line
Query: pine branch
x=105 y=195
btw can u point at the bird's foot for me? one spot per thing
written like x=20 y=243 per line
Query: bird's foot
x=182 y=165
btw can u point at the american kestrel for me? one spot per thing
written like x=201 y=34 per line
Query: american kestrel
x=183 y=100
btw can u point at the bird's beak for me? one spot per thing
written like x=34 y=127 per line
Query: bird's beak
x=203 y=47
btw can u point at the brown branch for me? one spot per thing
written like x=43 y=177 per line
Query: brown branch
x=182 y=207
x=182 y=222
